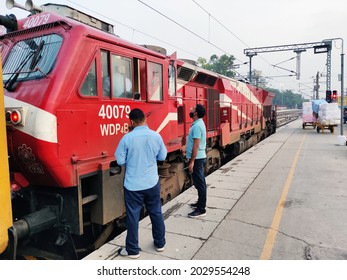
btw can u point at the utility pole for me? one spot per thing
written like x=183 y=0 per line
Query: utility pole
x=298 y=61
x=250 y=55
x=316 y=87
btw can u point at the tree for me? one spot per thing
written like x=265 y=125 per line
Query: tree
x=258 y=79
x=287 y=98
x=222 y=65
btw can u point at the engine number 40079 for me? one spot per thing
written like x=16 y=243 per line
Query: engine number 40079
x=220 y=270
x=114 y=111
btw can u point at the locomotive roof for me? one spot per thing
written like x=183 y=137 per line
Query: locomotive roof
x=69 y=12
x=187 y=64
x=95 y=28
x=101 y=30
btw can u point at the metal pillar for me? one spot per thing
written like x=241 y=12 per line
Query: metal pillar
x=250 y=55
x=329 y=70
x=316 y=87
x=298 y=61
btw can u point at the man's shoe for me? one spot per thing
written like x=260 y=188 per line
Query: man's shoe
x=197 y=213
x=124 y=253
x=161 y=249
x=193 y=205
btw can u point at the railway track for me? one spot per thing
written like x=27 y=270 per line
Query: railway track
x=287 y=116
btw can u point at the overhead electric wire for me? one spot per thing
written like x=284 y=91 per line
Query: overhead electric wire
x=127 y=26
x=210 y=15
x=134 y=29
x=284 y=61
x=185 y=28
x=221 y=23
x=218 y=21
x=192 y=32
x=182 y=26
x=291 y=71
x=302 y=84
x=280 y=76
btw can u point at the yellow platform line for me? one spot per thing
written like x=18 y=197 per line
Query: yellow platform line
x=273 y=230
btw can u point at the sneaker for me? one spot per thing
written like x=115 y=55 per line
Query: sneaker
x=197 y=213
x=193 y=205
x=161 y=249
x=124 y=253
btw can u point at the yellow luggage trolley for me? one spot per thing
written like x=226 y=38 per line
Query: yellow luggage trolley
x=321 y=127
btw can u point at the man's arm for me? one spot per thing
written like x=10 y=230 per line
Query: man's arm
x=162 y=150
x=194 y=154
x=121 y=153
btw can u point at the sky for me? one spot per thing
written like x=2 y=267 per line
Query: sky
x=201 y=28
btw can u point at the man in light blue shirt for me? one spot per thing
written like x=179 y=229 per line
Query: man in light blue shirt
x=139 y=152
x=197 y=131
x=196 y=153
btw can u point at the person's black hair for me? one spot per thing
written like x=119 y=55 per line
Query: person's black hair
x=137 y=115
x=200 y=110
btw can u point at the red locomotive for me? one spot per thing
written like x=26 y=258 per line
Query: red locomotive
x=69 y=86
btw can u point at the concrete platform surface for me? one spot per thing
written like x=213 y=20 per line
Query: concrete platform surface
x=283 y=199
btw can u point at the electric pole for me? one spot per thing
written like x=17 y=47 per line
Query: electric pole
x=316 y=87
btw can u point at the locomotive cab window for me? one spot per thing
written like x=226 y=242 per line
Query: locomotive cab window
x=89 y=86
x=172 y=80
x=31 y=59
x=122 y=77
x=105 y=74
x=155 y=81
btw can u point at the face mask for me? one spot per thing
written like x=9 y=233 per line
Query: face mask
x=191 y=114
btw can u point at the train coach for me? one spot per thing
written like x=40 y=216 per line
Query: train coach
x=69 y=85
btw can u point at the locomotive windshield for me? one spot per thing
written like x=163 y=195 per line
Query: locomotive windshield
x=31 y=59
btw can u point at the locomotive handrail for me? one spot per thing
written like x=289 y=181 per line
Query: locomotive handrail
x=75 y=159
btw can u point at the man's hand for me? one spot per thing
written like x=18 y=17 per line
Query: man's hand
x=191 y=166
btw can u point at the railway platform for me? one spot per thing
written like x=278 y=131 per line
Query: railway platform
x=283 y=199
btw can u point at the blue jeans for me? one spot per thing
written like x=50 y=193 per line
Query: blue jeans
x=199 y=182
x=134 y=201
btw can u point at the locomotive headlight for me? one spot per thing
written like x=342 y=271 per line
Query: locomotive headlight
x=15 y=116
